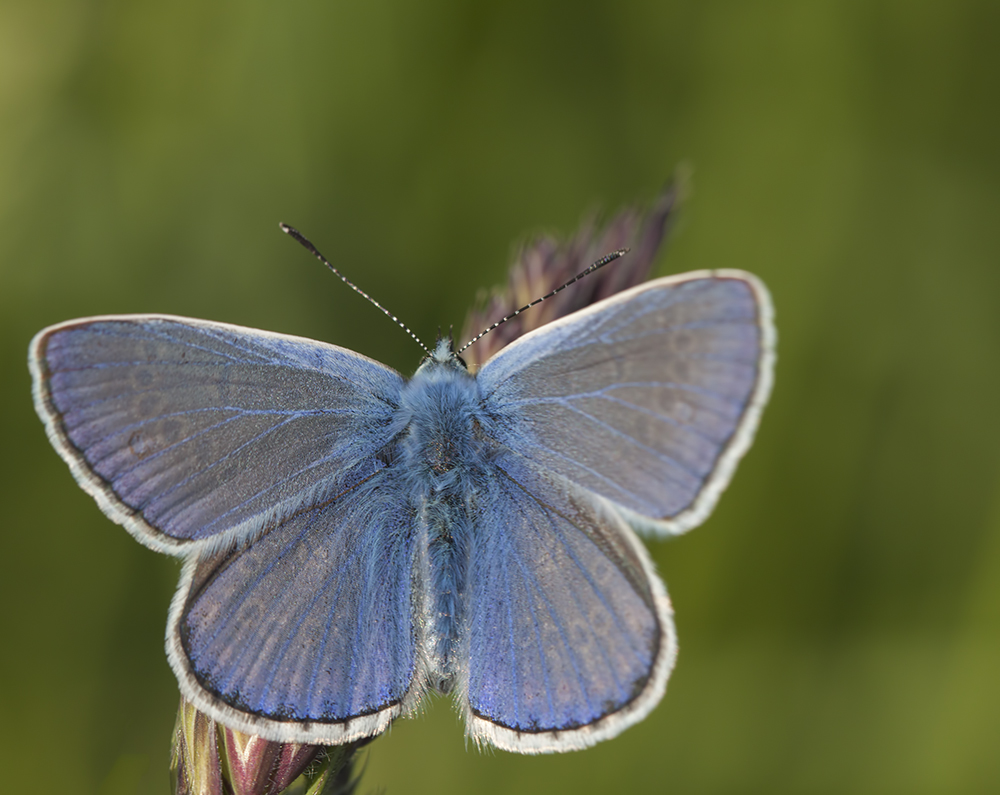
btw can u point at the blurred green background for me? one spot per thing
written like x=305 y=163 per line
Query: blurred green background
x=839 y=615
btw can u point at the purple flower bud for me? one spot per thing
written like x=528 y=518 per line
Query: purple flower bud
x=545 y=263
x=209 y=759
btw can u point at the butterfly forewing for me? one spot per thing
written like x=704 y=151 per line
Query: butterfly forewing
x=648 y=398
x=184 y=429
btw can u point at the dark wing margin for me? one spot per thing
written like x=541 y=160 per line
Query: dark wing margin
x=189 y=432
x=307 y=635
x=648 y=398
x=570 y=636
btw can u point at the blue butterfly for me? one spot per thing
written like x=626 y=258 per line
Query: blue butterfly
x=352 y=539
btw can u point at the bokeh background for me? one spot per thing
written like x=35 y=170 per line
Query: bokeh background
x=839 y=615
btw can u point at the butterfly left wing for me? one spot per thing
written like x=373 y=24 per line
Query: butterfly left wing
x=187 y=431
x=569 y=635
x=307 y=634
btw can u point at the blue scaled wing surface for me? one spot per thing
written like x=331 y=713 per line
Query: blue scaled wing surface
x=631 y=413
x=187 y=431
x=262 y=459
x=306 y=635
x=648 y=398
x=570 y=637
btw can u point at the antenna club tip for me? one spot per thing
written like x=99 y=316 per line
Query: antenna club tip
x=285 y=228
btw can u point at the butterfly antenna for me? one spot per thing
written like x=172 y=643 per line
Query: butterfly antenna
x=291 y=230
x=597 y=265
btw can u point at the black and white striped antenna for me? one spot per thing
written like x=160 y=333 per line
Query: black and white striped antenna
x=291 y=230
x=599 y=264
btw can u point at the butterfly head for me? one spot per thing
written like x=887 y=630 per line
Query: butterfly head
x=443 y=356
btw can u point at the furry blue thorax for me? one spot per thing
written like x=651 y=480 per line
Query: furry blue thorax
x=441 y=407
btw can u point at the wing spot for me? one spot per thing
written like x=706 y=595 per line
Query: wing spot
x=139 y=446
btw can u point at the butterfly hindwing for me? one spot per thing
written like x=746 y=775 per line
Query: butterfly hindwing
x=308 y=633
x=185 y=430
x=570 y=636
x=648 y=398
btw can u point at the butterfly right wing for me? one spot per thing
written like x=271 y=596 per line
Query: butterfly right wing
x=308 y=634
x=648 y=398
x=633 y=411
x=569 y=637
x=185 y=430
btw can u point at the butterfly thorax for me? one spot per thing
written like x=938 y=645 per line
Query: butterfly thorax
x=443 y=454
x=440 y=404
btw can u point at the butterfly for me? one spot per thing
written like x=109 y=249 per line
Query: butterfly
x=352 y=540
